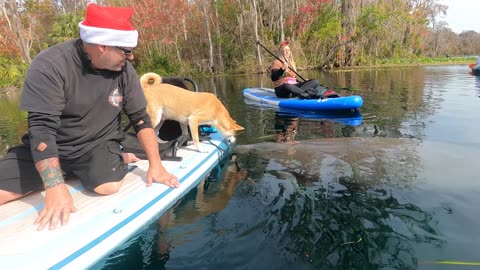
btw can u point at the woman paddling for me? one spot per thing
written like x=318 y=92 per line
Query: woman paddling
x=283 y=75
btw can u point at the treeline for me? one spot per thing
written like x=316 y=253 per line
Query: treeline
x=194 y=37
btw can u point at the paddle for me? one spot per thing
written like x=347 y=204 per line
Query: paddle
x=471 y=65
x=327 y=90
x=300 y=76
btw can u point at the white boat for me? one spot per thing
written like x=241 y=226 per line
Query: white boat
x=101 y=223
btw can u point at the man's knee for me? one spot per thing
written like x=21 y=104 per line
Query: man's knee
x=108 y=188
x=7 y=196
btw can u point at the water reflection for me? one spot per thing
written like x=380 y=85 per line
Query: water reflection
x=477 y=85
x=393 y=98
x=331 y=203
x=158 y=240
x=270 y=125
x=211 y=195
x=286 y=129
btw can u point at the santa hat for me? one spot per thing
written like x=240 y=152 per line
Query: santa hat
x=108 y=26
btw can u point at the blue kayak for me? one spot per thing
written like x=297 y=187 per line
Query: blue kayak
x=267 y=96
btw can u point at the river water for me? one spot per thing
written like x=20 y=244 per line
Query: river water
x=392 y=187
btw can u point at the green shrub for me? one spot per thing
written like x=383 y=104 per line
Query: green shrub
x=12 y=72
x=159 y=64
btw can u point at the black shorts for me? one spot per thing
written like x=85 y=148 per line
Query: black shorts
x=102 y=164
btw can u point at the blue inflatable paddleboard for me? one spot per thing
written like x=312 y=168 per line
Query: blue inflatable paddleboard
x=267 y=96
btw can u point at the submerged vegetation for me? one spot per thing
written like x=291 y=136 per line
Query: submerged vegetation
x=204 y=37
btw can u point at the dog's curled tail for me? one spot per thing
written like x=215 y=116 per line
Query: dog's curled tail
x=150 y=78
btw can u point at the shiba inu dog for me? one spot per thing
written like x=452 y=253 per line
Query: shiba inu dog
x=166 y=101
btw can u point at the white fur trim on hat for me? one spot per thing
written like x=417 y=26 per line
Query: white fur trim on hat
x=109 y=37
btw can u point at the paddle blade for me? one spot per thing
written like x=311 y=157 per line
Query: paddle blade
x=471 y=65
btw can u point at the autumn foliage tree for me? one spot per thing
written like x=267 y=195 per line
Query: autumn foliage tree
x=8 y=45
x=161 y=26
x=217 y=36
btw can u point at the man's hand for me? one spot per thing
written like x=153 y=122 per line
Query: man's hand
x=160 y=175
x=58 y=201
x=156 y=171
x=58 y=206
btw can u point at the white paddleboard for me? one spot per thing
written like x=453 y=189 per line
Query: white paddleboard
x=101 y=222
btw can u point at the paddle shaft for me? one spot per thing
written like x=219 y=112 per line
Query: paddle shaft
x=261 y=45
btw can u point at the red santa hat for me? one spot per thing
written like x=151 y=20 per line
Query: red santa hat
x=108 y=26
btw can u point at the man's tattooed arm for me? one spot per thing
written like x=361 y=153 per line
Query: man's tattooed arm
x=49 y=170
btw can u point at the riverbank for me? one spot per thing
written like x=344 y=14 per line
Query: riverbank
x=384 y=64
x=388 y=63
x=444 y=63
x=395 y=66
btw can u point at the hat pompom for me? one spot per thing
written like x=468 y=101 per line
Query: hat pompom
x=108 y=26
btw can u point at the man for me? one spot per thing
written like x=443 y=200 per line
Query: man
x=74 y=94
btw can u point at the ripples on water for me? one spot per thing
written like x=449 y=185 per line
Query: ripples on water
x=392 y=188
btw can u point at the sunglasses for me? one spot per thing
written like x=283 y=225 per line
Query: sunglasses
x=127 y=52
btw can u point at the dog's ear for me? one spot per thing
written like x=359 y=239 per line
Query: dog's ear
x=237 y=127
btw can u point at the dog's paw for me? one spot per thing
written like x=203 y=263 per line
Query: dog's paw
x=201 y=149
x=232 y=139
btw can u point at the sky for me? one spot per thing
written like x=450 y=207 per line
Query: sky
x=462 y=15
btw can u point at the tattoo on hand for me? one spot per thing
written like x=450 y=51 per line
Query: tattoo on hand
x=49 y=170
